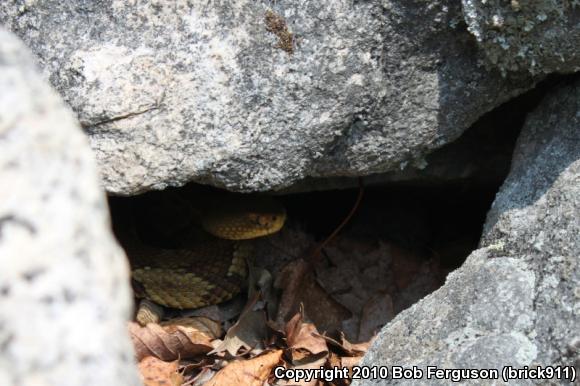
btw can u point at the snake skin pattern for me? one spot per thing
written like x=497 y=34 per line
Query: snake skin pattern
x=212 y=268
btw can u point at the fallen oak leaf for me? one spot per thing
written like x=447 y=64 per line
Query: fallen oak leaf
x=188 y=368
x=181 y=338
x=304 y=341
x=155 y=372
x=290 y=281
x=146 y=342
x=276 y=335
x=261 y=285
x=358 y=349
x=248 y=332
x=349 y=363
x=352 y=354
x=336 y=362
x=252 y=372
x=349 y=349
x=202 y=378
x=300 y=288
x=316 y=364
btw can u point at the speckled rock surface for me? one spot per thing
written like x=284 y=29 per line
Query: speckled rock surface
x=538 y=36
x=64 y=288
x=537 y=215
x=177 y=91
x=515 y=301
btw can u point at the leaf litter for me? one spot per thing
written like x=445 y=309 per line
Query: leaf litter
x=322 y=310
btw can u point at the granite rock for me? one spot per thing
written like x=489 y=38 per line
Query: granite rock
x=256 y=95
x=537 y=36
x=516 y=300
x=64 y=288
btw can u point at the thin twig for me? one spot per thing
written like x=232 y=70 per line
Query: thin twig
x=353 y=210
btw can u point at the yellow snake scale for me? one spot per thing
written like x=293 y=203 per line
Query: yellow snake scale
x=212 y=267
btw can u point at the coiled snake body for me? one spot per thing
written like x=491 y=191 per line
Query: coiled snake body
x=211 y=267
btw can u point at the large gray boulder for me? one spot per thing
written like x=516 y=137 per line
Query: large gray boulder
x=516 y=301
x=64 y=288
x=256 y=95
x=527 y=35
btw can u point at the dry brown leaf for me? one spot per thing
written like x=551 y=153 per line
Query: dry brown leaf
x=182 y=338
x=289 y=280
x=304 y=341
x=202 y=378
x=262 y=287
x=248 y=332
x=252 y=372
x=188 y=367
x=357 y=349
x=314 y=365
x=346 y=348
x=349 y=363
x=155 y=372
x=335 y=361
x=299 y=286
